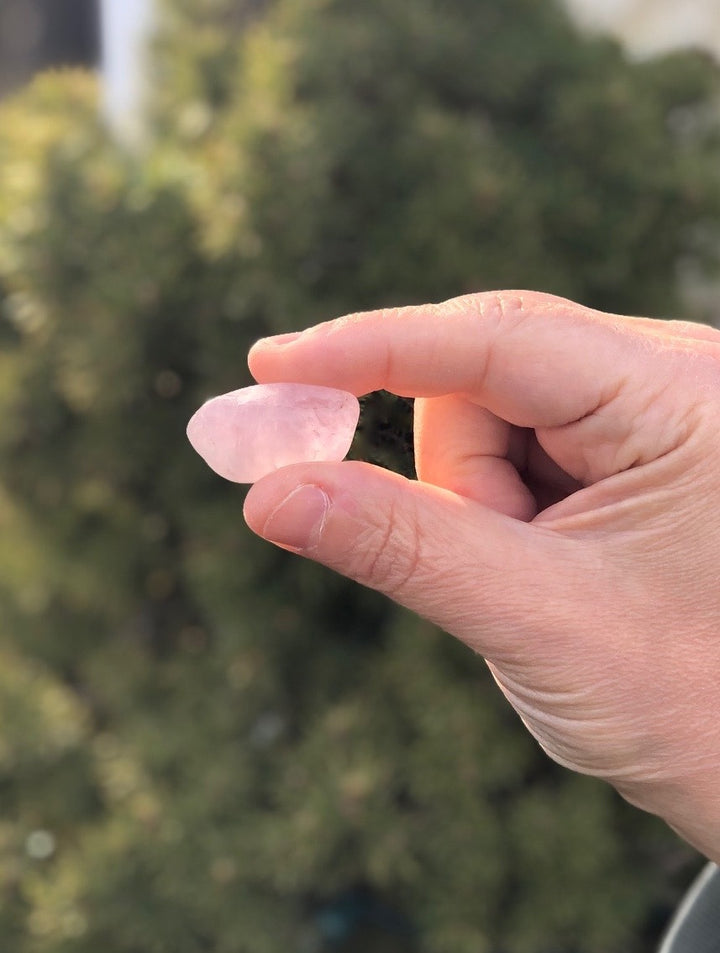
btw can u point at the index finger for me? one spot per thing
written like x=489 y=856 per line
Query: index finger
x=533 y=359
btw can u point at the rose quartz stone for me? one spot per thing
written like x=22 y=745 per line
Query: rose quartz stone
x=248 y=433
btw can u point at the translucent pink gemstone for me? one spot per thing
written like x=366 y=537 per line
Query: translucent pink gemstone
x=248 y=433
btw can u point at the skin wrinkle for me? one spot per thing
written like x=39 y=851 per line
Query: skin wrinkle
x=445 y=597
x=419 y=572
x=590 y=515
x=490 y=313
x=390 y=566
x=626 y=457
x=675 y=426
x=661 y=479
x=383 y=570
x=552 y=718
x=506 y=314
x=387 y=360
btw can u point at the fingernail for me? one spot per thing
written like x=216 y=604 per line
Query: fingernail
x=298 y=521
x=278 y=340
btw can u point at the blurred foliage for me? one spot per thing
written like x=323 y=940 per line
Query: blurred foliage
x=206 y=744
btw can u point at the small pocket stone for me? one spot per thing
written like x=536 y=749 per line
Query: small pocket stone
x=251 y=432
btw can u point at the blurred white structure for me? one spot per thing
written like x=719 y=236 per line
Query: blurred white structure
x=647 y=27
x=126 y=29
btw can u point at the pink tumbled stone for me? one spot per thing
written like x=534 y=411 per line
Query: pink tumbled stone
x=248 y=433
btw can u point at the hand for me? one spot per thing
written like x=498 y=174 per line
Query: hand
x=565 y=523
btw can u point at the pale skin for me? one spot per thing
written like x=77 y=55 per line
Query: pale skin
x=565 y=523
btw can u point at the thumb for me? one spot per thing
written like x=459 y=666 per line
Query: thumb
x=480 y=575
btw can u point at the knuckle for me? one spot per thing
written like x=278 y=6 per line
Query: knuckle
x=391 y=554
x=707 y=365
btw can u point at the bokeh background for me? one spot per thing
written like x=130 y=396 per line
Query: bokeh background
x=206 y=744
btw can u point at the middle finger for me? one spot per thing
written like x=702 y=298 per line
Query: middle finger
x=463 y=447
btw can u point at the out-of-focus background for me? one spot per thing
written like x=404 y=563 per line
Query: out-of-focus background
x=206 y=744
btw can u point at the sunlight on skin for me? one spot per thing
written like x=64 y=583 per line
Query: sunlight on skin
x=563 y=525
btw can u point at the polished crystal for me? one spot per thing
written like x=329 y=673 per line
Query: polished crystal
x=251 y=432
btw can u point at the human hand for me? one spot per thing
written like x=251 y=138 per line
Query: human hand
x=564 y=525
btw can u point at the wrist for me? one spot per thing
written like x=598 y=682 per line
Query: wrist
x=691 y=809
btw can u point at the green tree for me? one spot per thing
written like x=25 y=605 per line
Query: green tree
x=210 y=745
